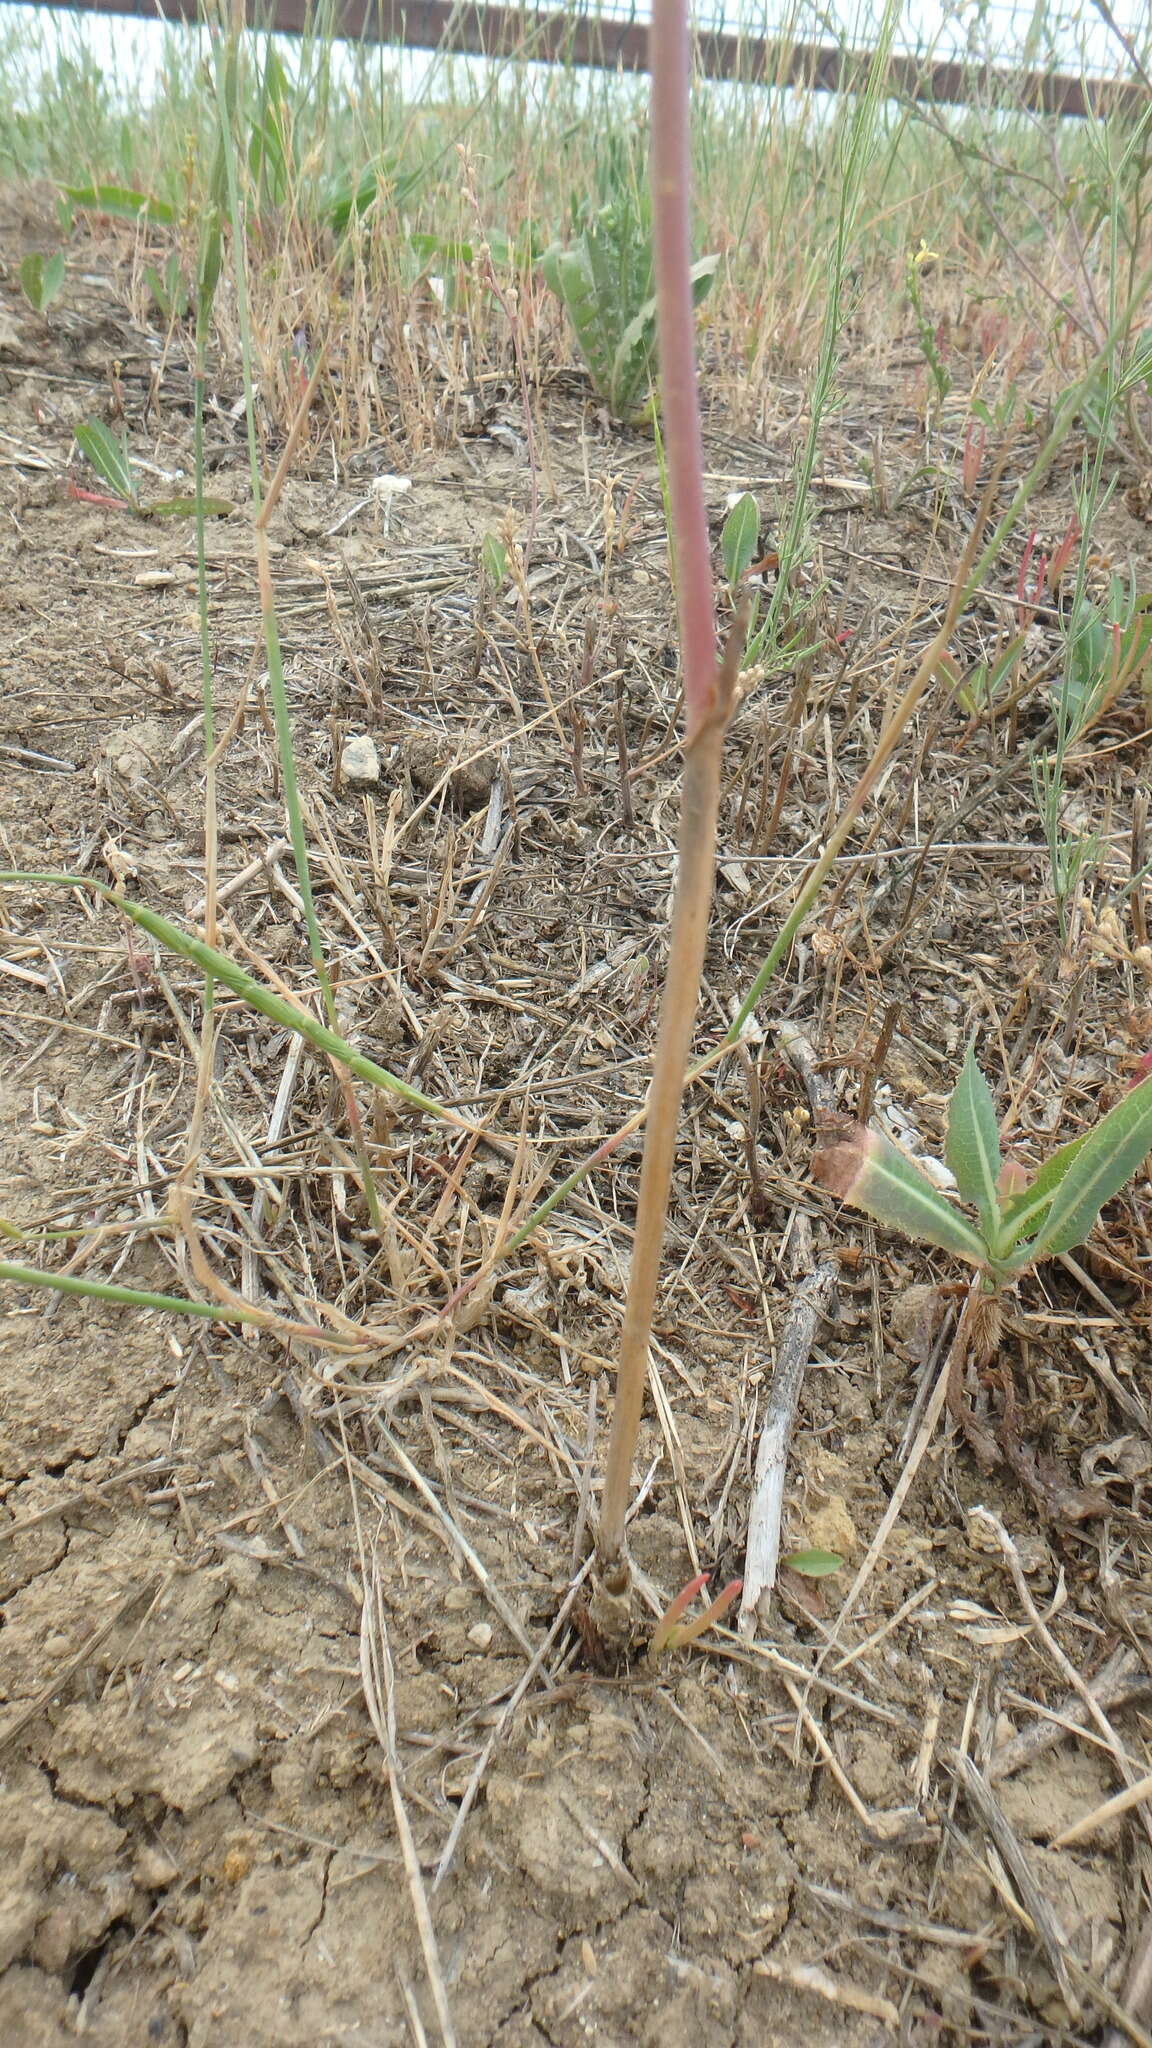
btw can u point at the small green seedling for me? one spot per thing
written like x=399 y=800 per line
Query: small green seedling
x=169 y=289
x=813 y=1564
x=493 y=561
x=1019 y=1220
x=605 y=282
x=42 y=279
x=108 y=456
x=986 y=682
x=1106 y=646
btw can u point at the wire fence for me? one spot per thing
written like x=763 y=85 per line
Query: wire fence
x=1013 y=33
x=1065 y=58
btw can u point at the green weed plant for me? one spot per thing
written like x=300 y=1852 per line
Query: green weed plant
x=1020 y=1219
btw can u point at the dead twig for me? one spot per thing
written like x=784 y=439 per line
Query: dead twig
x=763 y=1551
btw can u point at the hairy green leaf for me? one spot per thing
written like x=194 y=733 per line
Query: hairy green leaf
x=972 y=1149
x=1025 y=1211
x=493 y=559
x=604 y=280
x=108 y=457
x=123 y=203
x=867 y=1170
x=42 y=279
x=813 y=1564
x=1108 y=1157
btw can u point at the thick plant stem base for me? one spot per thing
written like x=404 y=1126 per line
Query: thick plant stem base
x=607 y=1625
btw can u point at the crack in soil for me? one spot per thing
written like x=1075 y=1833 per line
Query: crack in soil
x=523 y=2003
x=329 y=1859
x=45 y=1572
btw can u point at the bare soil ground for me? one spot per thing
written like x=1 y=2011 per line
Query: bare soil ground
x=768 y=1843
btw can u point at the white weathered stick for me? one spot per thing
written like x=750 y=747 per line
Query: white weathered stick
x=763 y=1552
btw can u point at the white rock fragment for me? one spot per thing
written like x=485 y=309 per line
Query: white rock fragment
x=360 y=762
x=481 y=1635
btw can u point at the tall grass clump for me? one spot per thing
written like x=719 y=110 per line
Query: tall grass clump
x=350 y=167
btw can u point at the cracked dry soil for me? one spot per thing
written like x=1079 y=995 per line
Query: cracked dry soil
x=197 y=1838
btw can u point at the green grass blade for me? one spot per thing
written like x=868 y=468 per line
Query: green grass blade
x=128 y=1297
x=255 y=993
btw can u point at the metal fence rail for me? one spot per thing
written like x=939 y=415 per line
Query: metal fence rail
x=610 y=43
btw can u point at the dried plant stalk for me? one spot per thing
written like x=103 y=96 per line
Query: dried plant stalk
x=708 y=695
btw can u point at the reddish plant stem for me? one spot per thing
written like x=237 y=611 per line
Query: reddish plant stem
x=677 y=1015
x=708 y=695
x=676 y=327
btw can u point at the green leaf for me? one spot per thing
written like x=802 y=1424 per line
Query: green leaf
x=447 y=250
x=739 y=538
x=379 y=181
x=130 y=1297
x=570 y=273
x=867 y=1170
x=42 y=279
x=703 y=276
x=972 y=1150
x=633 y=364
x=1136 y=370
x=984 y=682
x=1108 y=1157
x=271 y=128
x=168 y=289
x=208 y=266
x=122 y=202
x=813 y=1564
x=1023 y=1211
x=604 y=280
x=108 y=457
x=493 y=560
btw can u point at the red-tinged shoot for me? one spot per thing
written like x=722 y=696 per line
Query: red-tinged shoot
x=669 y=1634
x=1013 y=1178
